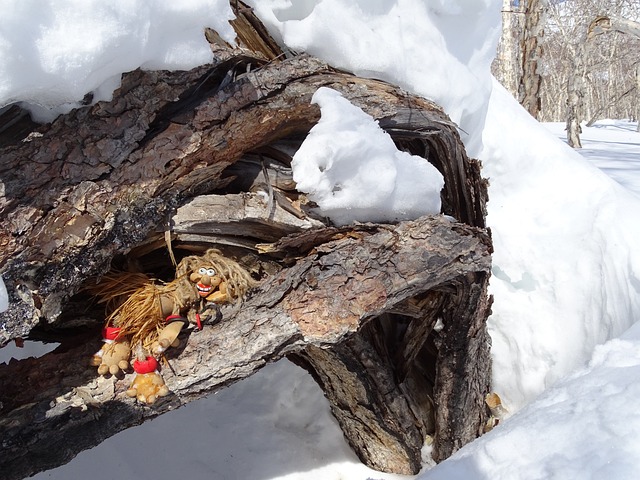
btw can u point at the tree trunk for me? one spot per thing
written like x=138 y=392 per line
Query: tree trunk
x=575 y=94
x=603 y=24
x=507 y=66
x=317 y=304
x=575 y=86
x=531 y=46
x=390 y=319
x=638 y=97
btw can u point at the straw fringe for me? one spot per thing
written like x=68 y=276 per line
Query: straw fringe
x=134 y=299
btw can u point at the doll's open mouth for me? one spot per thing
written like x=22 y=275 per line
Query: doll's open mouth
x=203 y=290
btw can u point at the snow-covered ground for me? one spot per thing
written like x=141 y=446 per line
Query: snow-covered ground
x=609 y=145
x=566 y=276
x=585 y=426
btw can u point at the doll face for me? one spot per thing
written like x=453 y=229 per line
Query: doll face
x=205 y=279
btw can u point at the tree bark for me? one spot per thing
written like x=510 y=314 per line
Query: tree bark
x=390 y=319
x=603 y=24
x=318 y=303
x=575 y=85
x=575 y=97
x=507 y=66
x=531 y=46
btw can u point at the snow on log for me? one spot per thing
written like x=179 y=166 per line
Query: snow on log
x=388 y=318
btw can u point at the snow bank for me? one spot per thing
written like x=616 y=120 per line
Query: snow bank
x=586 y=426
x=566 y=273
x=56 y=51
x=352 y=169
x=566 y=267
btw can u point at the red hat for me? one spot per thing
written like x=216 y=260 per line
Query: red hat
x=145 y=366
x=110 y=333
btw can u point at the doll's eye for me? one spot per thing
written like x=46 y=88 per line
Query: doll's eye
x=202 y=271
x=211 y=272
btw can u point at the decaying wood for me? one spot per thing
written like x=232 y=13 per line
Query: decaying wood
x=318 y=303
x=238 y=215
x=95 y=182
x=393 y=400
x=389 y=319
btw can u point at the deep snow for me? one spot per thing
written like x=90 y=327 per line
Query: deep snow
x=54 y=52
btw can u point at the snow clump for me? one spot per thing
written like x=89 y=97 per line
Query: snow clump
x=353 y=171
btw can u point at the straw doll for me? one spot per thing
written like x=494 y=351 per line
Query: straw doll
x=147 y=315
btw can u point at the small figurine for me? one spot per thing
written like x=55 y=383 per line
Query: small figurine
x=148 y=384
x=113 y=357
x=147 y=316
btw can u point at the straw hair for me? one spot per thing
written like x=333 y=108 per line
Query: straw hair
x=135 y=299
x=235 y=276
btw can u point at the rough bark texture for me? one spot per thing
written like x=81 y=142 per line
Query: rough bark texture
x=320 y=302
x=390 y=319
x=531 y=46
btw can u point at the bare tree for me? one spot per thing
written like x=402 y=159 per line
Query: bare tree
x=507 y=66
x=575 y=95
x=600 y=75
x=531 y=80
x=604 y=24
x=580 y=79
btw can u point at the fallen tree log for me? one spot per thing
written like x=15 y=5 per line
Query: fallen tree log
x=389 y=319
x=314 y=305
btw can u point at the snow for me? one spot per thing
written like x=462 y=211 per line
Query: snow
x=4 y=300
x=27 y=349
x=54 y=52
x=566 y=277
x=346 y=156
x=276 y=425
x=609 y=145
x=565 y=272
x=585 y=426
x=273 y=425
x=415 y=44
